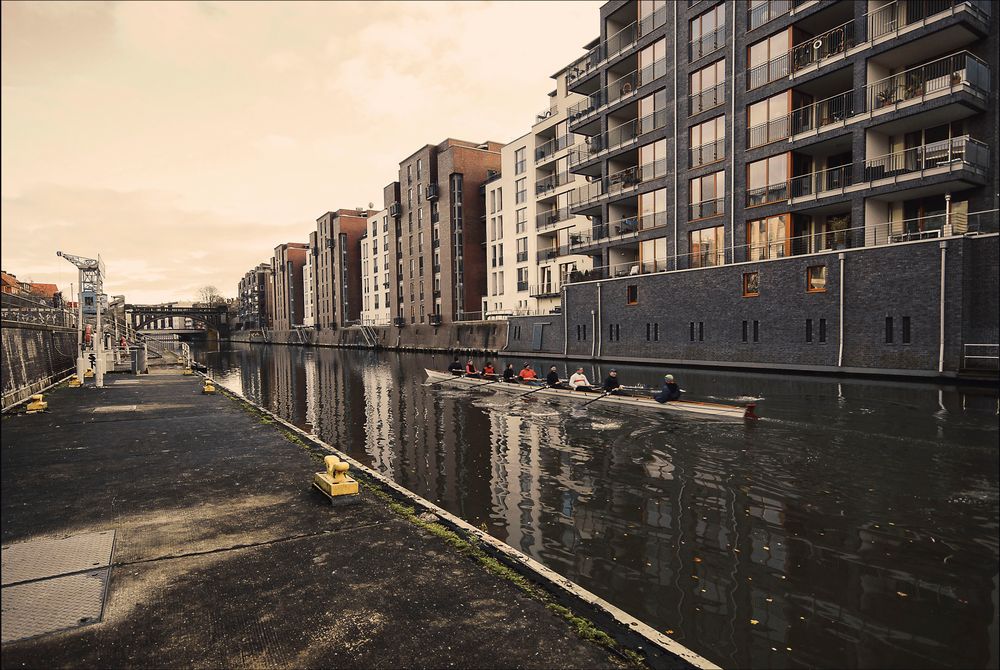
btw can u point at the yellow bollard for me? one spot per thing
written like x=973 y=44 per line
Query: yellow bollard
x=74 y=382
x=89 y=373
x=188 y=371
x=37 y=404
x=209 y=387
x=335 y=482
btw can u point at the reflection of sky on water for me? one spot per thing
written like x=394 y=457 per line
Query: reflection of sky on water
x=856 y=525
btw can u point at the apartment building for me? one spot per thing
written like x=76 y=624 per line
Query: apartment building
x=337 y=267
x=309 y=284
x=529 y=226
x=376 y=262
x=438 y=222
x=256 y=298
x=286 y=269
x=722 y=132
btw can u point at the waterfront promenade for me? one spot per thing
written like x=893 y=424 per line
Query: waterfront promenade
x=223 y=555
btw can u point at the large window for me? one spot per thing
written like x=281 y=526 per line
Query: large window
x=707 y=195
x=520 y=190
x=767 y=180
x=652 y=63
x=653 y=209
x=768 y=120
x=708 y=141
x=653 y=159
x=707 y=247
x=707 y=87
x=708 y=32
x=652 y=14
x=769 y=59
x=520 y=220
x=519 y=162
x=768 y=238
x=652 y=111
x=653 y=255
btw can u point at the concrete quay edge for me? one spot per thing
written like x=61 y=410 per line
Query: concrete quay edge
x=664 y=650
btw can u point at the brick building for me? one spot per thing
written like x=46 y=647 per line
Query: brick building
x=337 y=267
x=286 y=266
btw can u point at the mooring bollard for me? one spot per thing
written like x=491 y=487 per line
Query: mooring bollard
x=209 y=387
x=74 y=382
x=335 y=483
x=37 y=404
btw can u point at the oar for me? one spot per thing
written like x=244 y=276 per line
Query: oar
x=540 y=388
x=596 y=399
x=450 y=379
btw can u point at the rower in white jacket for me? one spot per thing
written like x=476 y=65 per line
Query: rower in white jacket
x=579 y=380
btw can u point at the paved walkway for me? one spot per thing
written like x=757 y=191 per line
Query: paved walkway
x=224 y=557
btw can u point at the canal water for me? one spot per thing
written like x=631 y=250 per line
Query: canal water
x=855 y=525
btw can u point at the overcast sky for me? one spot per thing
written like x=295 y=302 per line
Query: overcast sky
x=183 y=141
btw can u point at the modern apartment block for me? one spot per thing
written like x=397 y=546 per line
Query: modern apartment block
x=529 y=227
x=376 y=268
x=818 y=163
x=309 y=284
x=256 y=298
x=438 y=222
x=337 y=265
x=286 y=266
x=719 y=132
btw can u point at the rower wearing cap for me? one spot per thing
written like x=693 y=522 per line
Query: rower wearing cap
x=611 y=383
x=527 y=373
x=670 y=390
x=552 y=379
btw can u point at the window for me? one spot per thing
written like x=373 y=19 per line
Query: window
x=652 y=14
x=522 y=249
x=653 y=254
x=614 y=332
x=768 y=238
x=809 y=330
x=707 y=87
x=420 y=168
x=768 y=120
x=756 y=331
x=652 y=161
x=653 y=209
x=906 y=330
x=520 y=221
x=822 y=330
x=751 y=284
x=652 y=111
x=519 y=162
x=581 y=333
x=767 y=180
x=707 y=247
x=816 y=278
x=653 y=332
x=888 y=330
x=707 y=33
x=707 y=141
x=632 y=294
x=652 y=65
x=768 y=59
x=706 y=195
x=744 y=331
x=520 y=190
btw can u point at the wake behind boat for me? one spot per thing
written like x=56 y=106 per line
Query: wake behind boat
x=708 y=410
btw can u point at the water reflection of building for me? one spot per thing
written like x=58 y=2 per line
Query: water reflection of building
x=379 y=436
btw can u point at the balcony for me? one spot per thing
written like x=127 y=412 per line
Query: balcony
x=522 y=257
x=545 y=255
x=766 y=12
x=431 y=192
x=706 y=99
x=395 y=210
x=945 y=75
x=706 y=209
x=830 y=181
x=621 y=88
x=707 y=44
x=835 y=109
x=548 y=150
x=522 y=286
x=619 y=182
x=955 y=153
x=708 y=153
x=813 y=50
x=552 y=182
x=889 y=20
x=617 y=137
x=546 y=290
x=614 y=45
x=545 y=220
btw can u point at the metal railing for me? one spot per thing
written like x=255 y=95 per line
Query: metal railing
x=822 y=113
x=889 y=19
x=521 y=257
x=831 y=179
x=618 y=136
x=553 y=146
x=962 y=150
x=813 y=50
x=706 y=209
x=768 y=11
x=708 y=153
x=615 y=44
x=544 y=290
x=619 y=89
x=708 y=43
x=554 y=181
x=708 y=98
x=549 y=254
x=544 y=220
x=943 y=74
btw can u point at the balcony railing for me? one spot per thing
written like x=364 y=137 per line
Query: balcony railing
x=547 y=254
x=522 y=286
x=889 y=19
x=707 y=98
x=944 y=74
x=706 y=209
x=432 y=191
x=550 y=218
x=544 y=290
x=616 y=90
x=813 y=50
x=551 y=182
x=708 y=153
x=615 y=44
x=618 y=136
x=553 y=146
x=829 y=180
x=811 y=117
x=768 y=11
x=587 y=193
x=955 y=151
x=708 y=43
x=522 y=256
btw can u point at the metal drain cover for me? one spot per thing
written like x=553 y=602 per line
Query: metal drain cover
x=49 y=557
x=52 y=605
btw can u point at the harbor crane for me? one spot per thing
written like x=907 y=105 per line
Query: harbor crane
x=90 y=302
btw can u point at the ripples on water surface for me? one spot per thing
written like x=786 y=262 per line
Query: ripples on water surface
x=856 y=525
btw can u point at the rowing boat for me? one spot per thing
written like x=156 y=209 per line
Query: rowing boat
x=708 y=410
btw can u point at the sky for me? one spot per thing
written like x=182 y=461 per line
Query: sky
x=183 y=141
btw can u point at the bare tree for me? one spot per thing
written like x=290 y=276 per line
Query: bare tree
x=209 y=295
